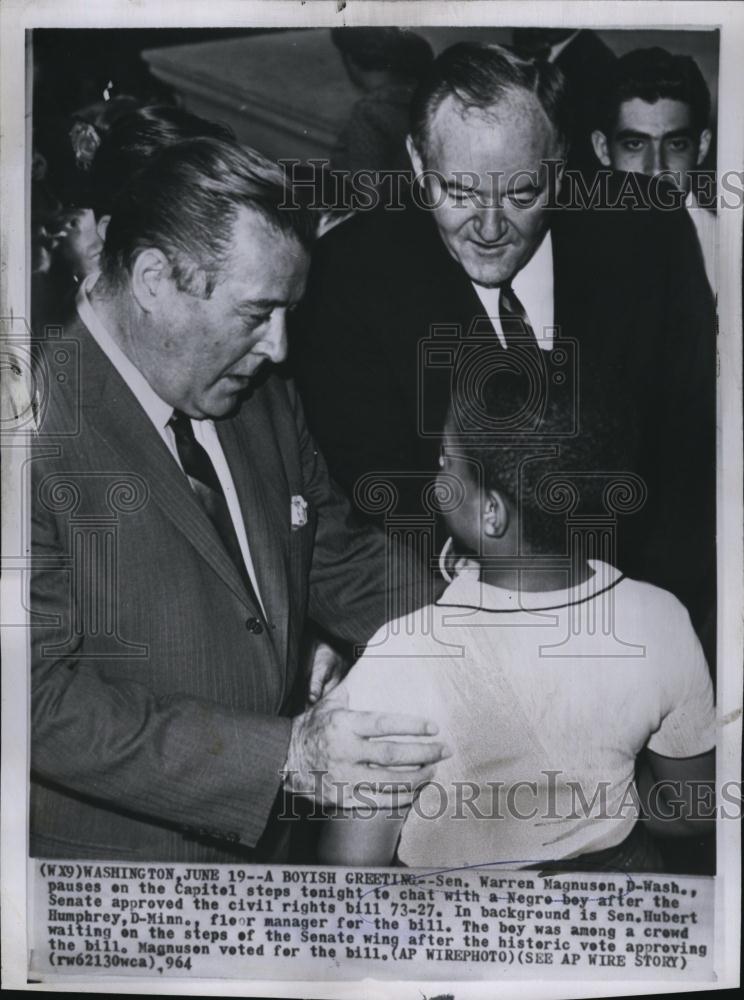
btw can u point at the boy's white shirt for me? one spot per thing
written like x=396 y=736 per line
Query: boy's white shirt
x=526 y=684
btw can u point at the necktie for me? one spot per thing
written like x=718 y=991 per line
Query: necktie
x=205 y=483
x=515 y=323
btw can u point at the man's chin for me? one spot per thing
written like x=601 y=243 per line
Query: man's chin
x=488 y=274
x=223 y=405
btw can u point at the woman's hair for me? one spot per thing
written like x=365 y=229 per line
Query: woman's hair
x=133 y=138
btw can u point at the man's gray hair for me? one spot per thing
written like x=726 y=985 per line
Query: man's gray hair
x=479 y=76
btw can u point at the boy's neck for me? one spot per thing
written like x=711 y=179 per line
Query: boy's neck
x=534 y=578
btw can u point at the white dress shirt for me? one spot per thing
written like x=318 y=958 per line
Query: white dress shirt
x=160 y=414
x=533 y=286
x=705 y=224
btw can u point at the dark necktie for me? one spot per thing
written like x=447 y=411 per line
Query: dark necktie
x=205 y=483
x=515 y=323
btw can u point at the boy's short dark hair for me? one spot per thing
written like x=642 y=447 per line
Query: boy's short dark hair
x=652 y=74
x=185 y=202
x=479 y=76
x=536 y=469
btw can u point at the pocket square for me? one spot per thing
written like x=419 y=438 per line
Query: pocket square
x=298 y=511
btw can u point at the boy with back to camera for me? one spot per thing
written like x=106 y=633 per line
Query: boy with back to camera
x=547 y=670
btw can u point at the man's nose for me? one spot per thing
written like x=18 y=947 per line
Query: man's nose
x=490 y=223
x=655 y=160
x=274 y=343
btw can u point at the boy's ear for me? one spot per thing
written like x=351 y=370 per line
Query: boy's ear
x=495 y=515
x=601 y=147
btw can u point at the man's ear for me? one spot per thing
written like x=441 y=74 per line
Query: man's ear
x=495 y=515
x=150 y=278
x=704 y=145
x=415 y=157
x=601 y=147
x=102 y=226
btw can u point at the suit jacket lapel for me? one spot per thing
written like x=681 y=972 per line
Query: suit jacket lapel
x=117 y=418
x=253 y=455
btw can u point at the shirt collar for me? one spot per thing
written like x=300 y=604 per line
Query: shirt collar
x=533 y=286
x=156 y=408
x=467 y=592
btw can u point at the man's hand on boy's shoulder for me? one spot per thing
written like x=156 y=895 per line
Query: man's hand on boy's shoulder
x=335 y=751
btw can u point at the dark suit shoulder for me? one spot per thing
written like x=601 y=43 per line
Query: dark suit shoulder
x=621 y=211
x=376 y=239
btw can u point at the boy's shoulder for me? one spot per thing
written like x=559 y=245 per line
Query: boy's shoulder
x=652 y=601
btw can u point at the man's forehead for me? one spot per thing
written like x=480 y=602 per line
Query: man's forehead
x=258 y=238
x=663 y=115
x=516 y=119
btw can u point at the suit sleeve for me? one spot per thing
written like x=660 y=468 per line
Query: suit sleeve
x=104 y=734
x=358 y=580
x=683 y=535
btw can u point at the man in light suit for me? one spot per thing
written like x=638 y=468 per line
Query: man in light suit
x=398 y=301
x=184 y=528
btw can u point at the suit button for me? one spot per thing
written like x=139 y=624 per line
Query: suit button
x=254 y=625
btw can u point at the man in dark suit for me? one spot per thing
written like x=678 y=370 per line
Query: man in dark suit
x=184 y=527
x=613 y=298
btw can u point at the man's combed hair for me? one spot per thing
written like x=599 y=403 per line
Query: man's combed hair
x=533 y=442
x=480 y=76
x=185 y=202
x=652 y=74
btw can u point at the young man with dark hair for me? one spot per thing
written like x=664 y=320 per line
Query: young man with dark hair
x=655 y=120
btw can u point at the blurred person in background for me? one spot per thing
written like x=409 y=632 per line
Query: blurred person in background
x=79 y=167
x=385 y=64
x=586 y=62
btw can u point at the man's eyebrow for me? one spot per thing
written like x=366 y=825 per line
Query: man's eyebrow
x=629 y=133
x=680 y=133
